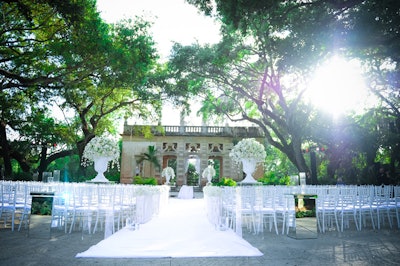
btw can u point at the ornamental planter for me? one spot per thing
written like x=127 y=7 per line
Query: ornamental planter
x=100 y=166
x=249 y=166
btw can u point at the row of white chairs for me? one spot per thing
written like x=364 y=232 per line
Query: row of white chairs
x=15 y=202
x=252 y=207
x=83 y=206
x=360 y=206
x=273 y=207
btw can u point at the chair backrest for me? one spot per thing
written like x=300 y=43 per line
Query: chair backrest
x=8 y=194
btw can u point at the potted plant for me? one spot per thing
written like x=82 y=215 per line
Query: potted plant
x=101 y=150
x=249 y=152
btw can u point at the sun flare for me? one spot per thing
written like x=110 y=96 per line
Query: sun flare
x=338 y=87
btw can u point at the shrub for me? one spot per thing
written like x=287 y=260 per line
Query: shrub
x=23 y=176
x=138 y=180
x=226 y=182
x=113 y=176
x=270 y=178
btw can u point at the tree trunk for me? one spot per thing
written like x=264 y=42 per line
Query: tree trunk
x=43 y=163
x=5 y=151
x=295 y=155
x=313 y=164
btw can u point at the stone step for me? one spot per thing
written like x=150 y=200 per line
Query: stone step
x=177 y=188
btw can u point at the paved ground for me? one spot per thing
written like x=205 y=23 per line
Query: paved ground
x=367 y=247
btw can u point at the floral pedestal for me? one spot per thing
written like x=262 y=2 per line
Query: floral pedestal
x=167 y=178
x=249 y=166
x=209 y=178
x=208 y=173
x=169 y=173
x=100 y=165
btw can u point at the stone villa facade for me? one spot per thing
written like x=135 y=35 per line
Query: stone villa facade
x=196 y=144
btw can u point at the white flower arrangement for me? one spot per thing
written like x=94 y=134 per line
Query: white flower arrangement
x=101 y=146
x=168 y=171
x=248 y=149
x=208 y=171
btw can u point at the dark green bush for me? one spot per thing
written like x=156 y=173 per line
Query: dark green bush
x=22 y=176
x=42 y=208
x=306 y=213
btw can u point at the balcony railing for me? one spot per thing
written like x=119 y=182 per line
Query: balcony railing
x=251 y=132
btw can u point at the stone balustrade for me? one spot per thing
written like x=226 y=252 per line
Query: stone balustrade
x=252 y=132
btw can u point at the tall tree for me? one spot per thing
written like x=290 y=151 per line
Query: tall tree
x=118 y=86
x=30 y=68
x=62 y=52
x=260 y=70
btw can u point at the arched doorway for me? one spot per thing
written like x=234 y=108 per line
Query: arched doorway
x=192 y=170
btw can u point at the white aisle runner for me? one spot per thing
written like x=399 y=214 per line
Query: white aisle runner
x=181 y=230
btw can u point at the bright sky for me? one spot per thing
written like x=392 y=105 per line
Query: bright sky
x=173 y=21
x=339 y=87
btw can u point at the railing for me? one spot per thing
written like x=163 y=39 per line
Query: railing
x=254 y=132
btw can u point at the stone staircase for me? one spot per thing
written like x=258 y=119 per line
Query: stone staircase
x=197 y=190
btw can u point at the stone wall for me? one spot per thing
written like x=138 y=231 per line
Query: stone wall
x=182 y=142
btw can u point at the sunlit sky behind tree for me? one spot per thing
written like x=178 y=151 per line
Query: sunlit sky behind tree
x=173 y=21
x=337 y=87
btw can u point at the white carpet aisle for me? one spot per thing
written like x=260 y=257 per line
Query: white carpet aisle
x=181 y=230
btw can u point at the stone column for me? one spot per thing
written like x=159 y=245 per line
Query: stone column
x=203 y=161
x=229 y=167
x=128 y=163
x=180 y=164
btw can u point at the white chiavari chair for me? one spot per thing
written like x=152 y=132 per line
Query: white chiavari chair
x=381 y=205
x=284 y=207
x=364 y=206
x=391 y=205
x=23 y=205
x=227 y=207
x=8 y=202
x=130 y=202
x=63 y=212
x=232 y=206
x=282 y=211
x=107 y=210
x=396 y=194
x=122 y=205
x=14 y=202
x=346 y=207
x=84 y=207
x=246 y=206
x=264 y=209
x=326 y=208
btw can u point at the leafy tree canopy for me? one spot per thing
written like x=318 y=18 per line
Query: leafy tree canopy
x=262 y=67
